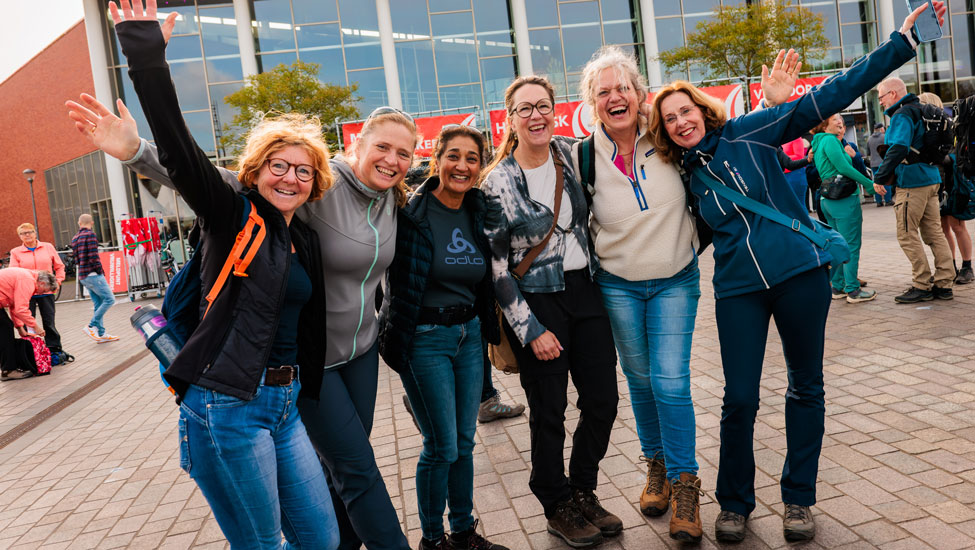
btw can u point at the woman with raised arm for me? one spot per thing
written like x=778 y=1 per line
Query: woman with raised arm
x=764 y=269
x=553 y=314
x=237 y=377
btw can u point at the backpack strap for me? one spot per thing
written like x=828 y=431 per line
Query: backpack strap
x=587 y=166
x=245 y=247
x=519 y=271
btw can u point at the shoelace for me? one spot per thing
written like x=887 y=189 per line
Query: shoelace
x=796 y=512
x=572 y=513
x=730 y=517
x=588 y=501
x=656 y=474
x=685 y=495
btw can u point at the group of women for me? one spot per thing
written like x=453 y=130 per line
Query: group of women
x=282 y=372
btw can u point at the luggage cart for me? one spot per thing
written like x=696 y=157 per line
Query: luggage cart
x=140 y=241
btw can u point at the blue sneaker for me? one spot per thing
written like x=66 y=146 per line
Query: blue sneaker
x=860 y=295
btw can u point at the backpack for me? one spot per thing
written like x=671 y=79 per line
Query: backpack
x=960 y=198
x=587 y=167
x=937 y=140
x=60 y=357
x=181 y=306
x=965 y=135
x=33 y=355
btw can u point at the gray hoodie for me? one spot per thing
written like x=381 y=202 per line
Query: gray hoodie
x=357 y=230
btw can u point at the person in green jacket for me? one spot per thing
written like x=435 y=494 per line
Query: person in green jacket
x=843 y=214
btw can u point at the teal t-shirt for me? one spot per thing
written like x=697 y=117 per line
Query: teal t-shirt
x=457 y=264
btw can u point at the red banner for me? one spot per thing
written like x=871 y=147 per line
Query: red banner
x=803 y=85
x=427 y=127
x=116 y=270
x=574 y=118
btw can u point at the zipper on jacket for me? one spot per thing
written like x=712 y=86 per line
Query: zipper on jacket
x=748 y=229
x=362 y=285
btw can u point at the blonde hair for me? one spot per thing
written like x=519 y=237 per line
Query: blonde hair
x=712 y=109
x=931 y=99
x=611 y=57
x=395 y=116
x=275 y=133
x=23 y=226
x=510 y=138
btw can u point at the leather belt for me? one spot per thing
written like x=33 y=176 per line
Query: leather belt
x=453 y=315
x=280 y=376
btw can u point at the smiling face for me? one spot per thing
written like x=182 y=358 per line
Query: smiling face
x=683 y=120
x=836 y=126
x=536 y=130
x=460 y=165
x=617 y=103
x=286 y=192
x=384 y=155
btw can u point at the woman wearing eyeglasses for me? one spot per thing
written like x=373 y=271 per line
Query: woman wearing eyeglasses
x=553 y=314
x=236 y=378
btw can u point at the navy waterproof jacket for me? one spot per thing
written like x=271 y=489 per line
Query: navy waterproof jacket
x=752 y=253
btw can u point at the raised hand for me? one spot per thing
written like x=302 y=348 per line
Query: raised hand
x=118 y=137
x=939 y=8
x=132 y=11
x=777 y=84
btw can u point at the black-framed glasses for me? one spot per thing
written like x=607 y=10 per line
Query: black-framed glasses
x=280 y=167
x=26 y=232
x=386 y=109
x=881 y=96
x=524 y=110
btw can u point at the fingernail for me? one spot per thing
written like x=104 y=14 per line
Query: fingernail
x=560 y=348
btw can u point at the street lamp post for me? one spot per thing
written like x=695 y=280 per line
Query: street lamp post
x=29 y=174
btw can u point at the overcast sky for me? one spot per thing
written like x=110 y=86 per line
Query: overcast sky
x=29 y=26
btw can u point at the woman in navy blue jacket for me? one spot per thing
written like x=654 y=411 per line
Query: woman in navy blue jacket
x=764 y=269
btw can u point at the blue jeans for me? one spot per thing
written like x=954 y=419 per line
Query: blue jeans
x=888 y=198
x=101 y=299
x=652 y=326
x=444 y=387
x=257 y=469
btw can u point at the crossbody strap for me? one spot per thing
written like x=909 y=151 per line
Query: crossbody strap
x=756 y=207
x=526 y=262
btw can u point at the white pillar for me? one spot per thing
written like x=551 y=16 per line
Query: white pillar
x=519 y=22
x=390 y=67
x=245 y=37
x=98 y=53
x=650 y=49
x=885 y=19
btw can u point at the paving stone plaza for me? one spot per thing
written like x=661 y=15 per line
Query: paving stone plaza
x=89 y=455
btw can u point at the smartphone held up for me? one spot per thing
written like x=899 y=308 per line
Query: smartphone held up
x=927 y=26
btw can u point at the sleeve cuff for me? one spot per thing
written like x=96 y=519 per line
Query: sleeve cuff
x=138 y=154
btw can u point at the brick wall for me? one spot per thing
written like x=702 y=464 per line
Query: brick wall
x=36 y=132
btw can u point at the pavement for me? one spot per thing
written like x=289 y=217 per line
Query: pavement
x=89 y=455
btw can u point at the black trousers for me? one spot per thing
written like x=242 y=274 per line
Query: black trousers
x=577 y=318
x=8 y=357
x=52 y=338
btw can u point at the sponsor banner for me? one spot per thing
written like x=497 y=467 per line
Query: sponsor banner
x=574 y=118
x=427 y=127
x=116 y=270
x=803 y=86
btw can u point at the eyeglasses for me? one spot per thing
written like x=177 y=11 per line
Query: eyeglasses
x=279 y=167
x=25 y=232
x=683 y=113
x=882 y=96
x=524 y=110
x=385 y=110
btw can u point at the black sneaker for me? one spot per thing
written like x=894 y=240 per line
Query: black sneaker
x=942 y=293
x=570 y=525
x=471 y=540
x=588 y=503
x=964 y=276
x=426 y=544
x=914 y=295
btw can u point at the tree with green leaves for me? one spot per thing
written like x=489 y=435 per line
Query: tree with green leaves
x=739 y=39
x=286 y=89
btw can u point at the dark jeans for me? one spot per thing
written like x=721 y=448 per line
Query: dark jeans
x=577 y=318
x=52 y=338
x=339 y=423
x=8 y=355
x=799 y=306
x=487 y=386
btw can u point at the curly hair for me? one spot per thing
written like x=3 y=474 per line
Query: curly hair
x=712 y=109
x=625 y=65
x=275 y=132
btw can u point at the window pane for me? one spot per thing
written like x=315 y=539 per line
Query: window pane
x=218 y=31
x=496 y=74
x=455 y=48
x=858 y=40
x=460 y=96
x=699 y=7
x=409 y=19
x=372 y=89
x=670 y=35
x=853 y=11
x=831 y=28
x=665 y=7
x=186 y=67
x=580 y=25
x=313 y=11
x=185 y=22
x=934 y=60
x=964 y=38
x=620 y=22
x=224 y=114
x=542 y=13
x=322 y=44
x=417 y=79
x=546 y=49
x=449 y=5
x=493 y=28
x=274 y=28
x=269 y=61
x=360 y=31
x=199 y=126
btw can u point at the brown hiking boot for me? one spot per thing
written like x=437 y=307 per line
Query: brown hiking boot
x=685 y=507
x=588 y=503
x=798 y=524
x=655 y=498
x=569 y=524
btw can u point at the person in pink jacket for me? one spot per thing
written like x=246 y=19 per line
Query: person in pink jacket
x=40 y=256
x=17 y=285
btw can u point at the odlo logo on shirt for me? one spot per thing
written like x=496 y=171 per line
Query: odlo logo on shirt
x=459 y=247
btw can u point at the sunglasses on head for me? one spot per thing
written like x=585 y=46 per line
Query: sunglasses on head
x=385 y=110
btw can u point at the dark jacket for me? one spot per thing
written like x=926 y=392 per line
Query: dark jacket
x=752 y=253
x=406 y=278
x=903 y=134
x=228 y=352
